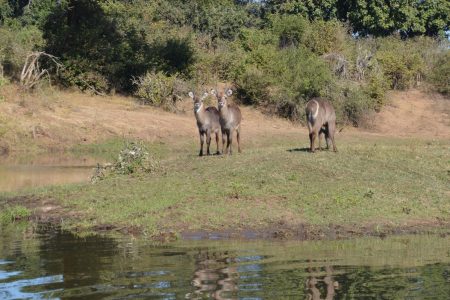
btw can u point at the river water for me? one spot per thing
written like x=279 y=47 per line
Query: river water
x=45 y=170
x=43 y=263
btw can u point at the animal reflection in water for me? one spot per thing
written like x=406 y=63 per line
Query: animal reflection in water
x=214 y=277
x=312 y=282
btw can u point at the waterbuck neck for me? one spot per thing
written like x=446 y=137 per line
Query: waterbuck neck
x=224 y=110
x=200 y=114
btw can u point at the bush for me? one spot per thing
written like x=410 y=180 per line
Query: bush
x=134 y=158
x=290 y=29
x=253 y=87
x=402 y=62
x=77 y=73
x=356 y=104
x=158 y=89
x=325 y=37
x=302 y=72
x=440 y=75
x=15 y=44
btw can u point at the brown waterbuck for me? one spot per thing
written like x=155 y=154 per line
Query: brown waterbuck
x=230 y=120
x=321 y=119
x=207 y=122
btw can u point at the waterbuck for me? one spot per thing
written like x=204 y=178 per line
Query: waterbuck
x=321 y=119
x=230 y=119
x=207 y=122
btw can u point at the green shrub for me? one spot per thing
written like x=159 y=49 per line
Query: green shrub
x=78 y=73
x=12 y=213
x=134 y=158
x=325 y=37
x=15 y=44
x=158 y=89
x=440 y=75
x=290 y=29
x=356 y=104
x=302 y=72
x=253 y=87
x=376 y=90
x=401 y=62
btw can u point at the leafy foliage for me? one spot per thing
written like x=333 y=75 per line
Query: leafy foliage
x=440 y=75
x=159 y=89
x=278 y=53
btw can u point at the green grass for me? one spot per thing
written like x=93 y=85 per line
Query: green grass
x=109 y=149
x=10 y=214
x=372 y=180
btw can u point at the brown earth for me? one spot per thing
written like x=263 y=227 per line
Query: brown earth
x=415 y=113
x=54 y=120
x=58 y=120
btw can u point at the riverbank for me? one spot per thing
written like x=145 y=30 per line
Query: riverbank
x=372 y=186
x=378 y=183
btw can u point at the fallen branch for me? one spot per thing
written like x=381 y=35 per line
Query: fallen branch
x=32 y=73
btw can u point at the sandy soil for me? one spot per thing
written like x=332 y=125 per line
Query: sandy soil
x=415 y=113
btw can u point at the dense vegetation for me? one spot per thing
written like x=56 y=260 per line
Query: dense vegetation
x=277 y=53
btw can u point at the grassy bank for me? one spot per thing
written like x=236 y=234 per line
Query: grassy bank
x=372 y=181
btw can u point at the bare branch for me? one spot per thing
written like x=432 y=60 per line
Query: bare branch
x=32 y=73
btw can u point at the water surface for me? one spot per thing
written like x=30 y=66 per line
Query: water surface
x=59 y=168
x=37 y=263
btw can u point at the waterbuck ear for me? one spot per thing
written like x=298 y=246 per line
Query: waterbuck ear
x=213 y=92
x=191 y=94
x=204 y=96
x=229 y=92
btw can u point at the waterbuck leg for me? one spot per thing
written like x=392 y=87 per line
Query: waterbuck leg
x=208 y=142
x=223 y=143
x=327 y=137
x=320 y=140
x=202 y=140
x=229 y=142
x=312 y=137
x=331 y=131
x=217 y=143
x=238 y=138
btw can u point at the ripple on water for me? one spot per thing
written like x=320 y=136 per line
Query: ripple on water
x=61 y=265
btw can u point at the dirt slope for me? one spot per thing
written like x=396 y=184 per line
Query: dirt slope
x=415 y=113
x=57 y=120
x=61 y=119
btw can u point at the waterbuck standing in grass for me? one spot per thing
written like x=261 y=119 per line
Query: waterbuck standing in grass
x=321 y=119
x=230 y=119
x=207 y=122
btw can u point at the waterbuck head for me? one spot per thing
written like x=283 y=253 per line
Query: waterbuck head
x=198 y=101
x=222 y=97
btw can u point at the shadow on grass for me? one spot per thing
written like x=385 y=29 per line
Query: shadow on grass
x=304 y=149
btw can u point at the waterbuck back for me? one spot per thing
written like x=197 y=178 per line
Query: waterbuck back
x=321 y=119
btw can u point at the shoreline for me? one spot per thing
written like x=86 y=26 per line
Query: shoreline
x=47 y=211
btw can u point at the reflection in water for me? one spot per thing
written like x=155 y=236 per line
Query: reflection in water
x=312 y=281
x=55 y=264
x=214 y=277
